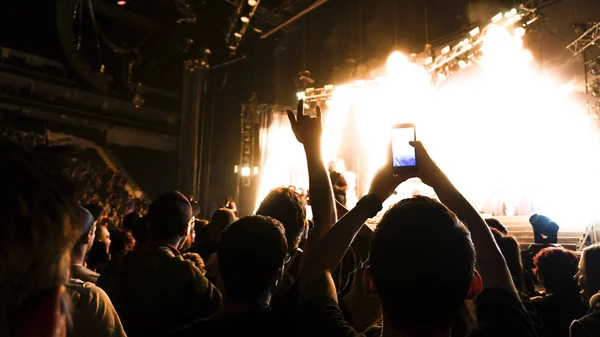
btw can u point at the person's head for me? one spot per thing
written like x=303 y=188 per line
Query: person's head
x=251 y=255
x=120 y=241
x=589 y=272
x=39 y=224
x=496 y=224
x=129 y=221
x=88 y=233
x=331 y=166
x=512 y=254
x=228 y=199
x=169 y=218
x=555 y=268
x=141 y=232
x=220 y=219
x=285 y=205
x=422 y=265
x=103 y=235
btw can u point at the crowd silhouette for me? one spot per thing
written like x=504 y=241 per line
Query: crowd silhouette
x=79 y=256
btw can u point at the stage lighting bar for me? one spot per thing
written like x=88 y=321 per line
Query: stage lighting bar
x=240 y=23
x=586 y=40
x=520 y=17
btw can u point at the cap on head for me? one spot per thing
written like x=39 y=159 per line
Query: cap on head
x=87 y=220
x=169 y=214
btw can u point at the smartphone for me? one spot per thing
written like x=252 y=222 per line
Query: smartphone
x=404 y=156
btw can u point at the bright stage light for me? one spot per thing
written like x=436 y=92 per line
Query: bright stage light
x=301 y=95
x=121 y=2
x=520 y=31
x=244 y=19
x=497 y=18
x=252 y=3
x=474 y=32
x=245 y=172
x=506 y=136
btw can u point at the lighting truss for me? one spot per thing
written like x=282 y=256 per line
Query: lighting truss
x=589 y=38
x=240 y=22
x=521 y=17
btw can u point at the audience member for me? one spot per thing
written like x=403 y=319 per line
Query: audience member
x=496 y=224
x=251 y=253
x=419 y=296
x=154 y=289
x=82 y=247
x=97 y=257
x=556 y=268
x=588 y=278
x=220 y=219
x=39 y=227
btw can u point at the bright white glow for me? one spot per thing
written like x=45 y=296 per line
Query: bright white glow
x=508 y=137
x=520 y=31
x=497 y=18
x=121 y=2
x=446 y=50
x=462 y=64
x=252 y=3
x=474 y=32
x=238 y=35
x=245 y=171
x=244 y=19
x=255 y=170
x=301 y=95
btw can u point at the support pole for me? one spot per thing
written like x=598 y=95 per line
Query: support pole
x=192 y=127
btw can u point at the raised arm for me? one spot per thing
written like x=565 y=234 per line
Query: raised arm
x=490 y=262
x=308 y=131
x=315 y=275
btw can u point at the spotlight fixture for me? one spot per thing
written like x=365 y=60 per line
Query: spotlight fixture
x=244 y=19
x=238 y=35
x=520 y=31
x=252 y=3
x=121 y=2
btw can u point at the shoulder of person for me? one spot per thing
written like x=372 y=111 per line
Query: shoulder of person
x=588 y=325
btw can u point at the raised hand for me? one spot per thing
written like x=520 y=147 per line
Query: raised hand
x=384 y=182
x=427 y=169
x=308 y=130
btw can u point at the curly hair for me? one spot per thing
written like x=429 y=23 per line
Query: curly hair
x=555 y=269
x=289 y=208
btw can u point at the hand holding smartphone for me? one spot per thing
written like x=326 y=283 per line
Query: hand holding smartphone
x=404 y=156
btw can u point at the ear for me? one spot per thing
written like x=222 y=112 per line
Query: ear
x=476 y=286
x=369 y=283
x=47 y=314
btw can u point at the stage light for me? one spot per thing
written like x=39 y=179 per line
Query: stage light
x=252 y=3
x=245 y=172
x=255 y=170
x=121 y=2
x=475 y=31
x=497 y=18
x=445 y=50
x=238 y=35
x=462 y=64
x=244 y=19
x=519 y=31
x=301 y=95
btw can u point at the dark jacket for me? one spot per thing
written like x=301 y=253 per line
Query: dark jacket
x=155 y=290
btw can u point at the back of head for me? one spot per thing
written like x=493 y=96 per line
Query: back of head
x=285 y=205
x=168 y=216
x=496 y=224
x=512 y=254
x=129 y=221
x=422 y=262
x=251 y=252
x=555 y=268
x=94 y=209
x=38 y=228
x=220 y=219
x=591 y=269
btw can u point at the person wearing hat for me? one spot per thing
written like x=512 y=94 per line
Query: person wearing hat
x=154 y=288
x=82 y=247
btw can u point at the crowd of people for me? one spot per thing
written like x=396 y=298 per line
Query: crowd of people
x=430 y=268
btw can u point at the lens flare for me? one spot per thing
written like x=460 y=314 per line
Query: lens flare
x=513 y=140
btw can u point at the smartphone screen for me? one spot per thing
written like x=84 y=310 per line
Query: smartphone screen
x=403 y=154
